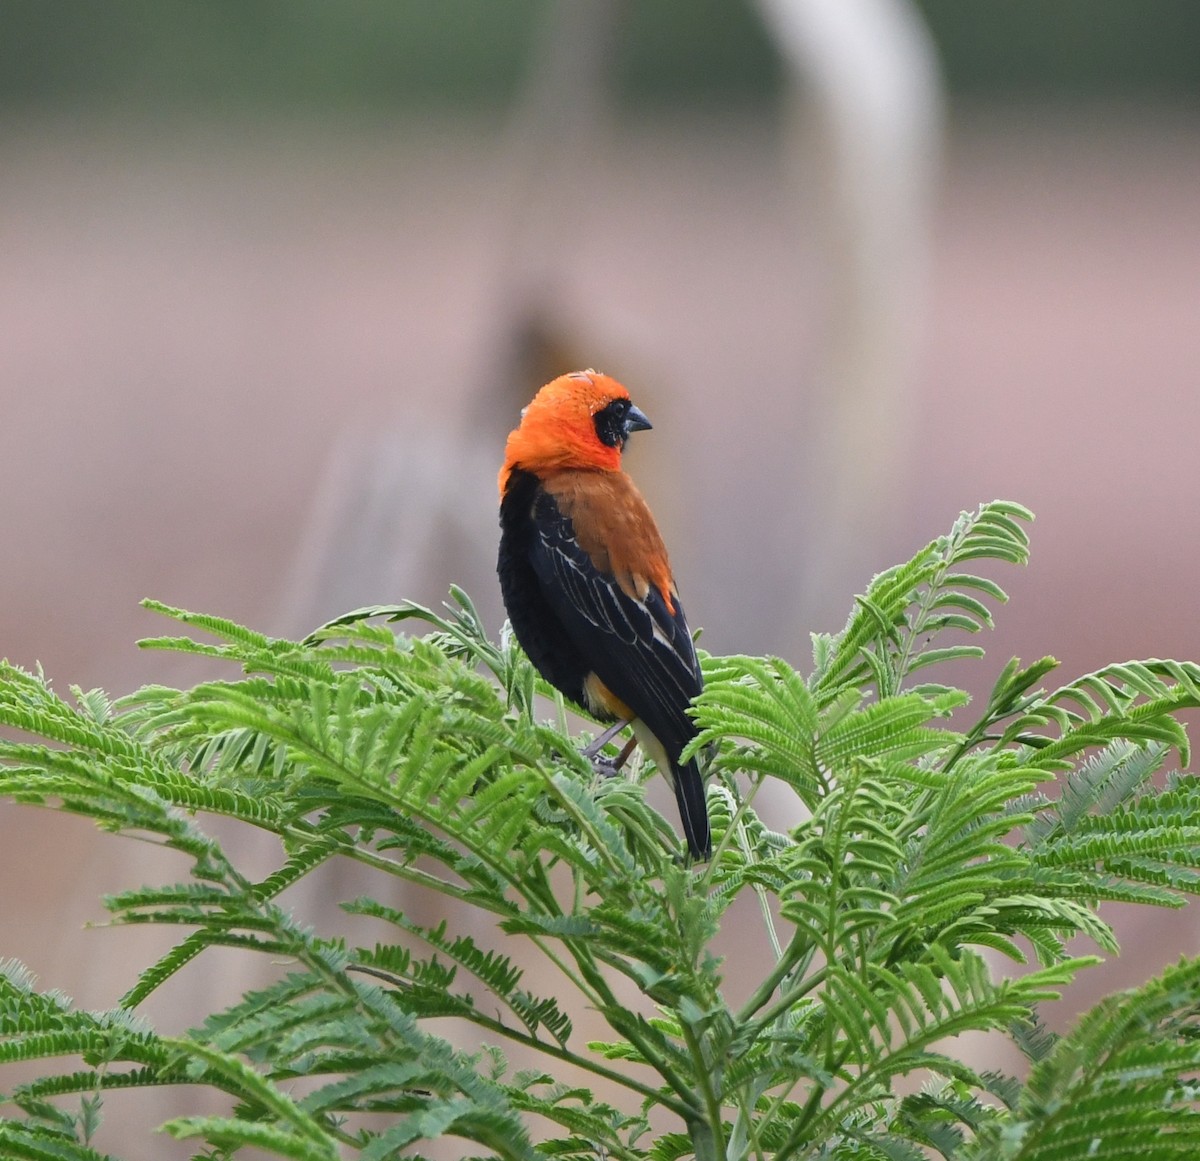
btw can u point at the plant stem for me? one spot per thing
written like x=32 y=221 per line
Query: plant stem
x=787 y=1000
x=712 y=1101
x=794 y=952
x=544 y=1046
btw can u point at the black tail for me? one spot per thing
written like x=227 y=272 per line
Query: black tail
x=693 y=812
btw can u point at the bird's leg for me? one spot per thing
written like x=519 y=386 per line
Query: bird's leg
x=606 y=767
x=623 y=756
x=595 y=747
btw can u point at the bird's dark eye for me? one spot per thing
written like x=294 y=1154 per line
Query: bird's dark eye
x=610 y=421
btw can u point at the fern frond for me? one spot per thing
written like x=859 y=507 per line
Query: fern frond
x=875 y=626
x=496 y=972
x=765 y=708
x=1135 y=702
x=1099 y=785
x=594 y=1125
x=890 y=633
x=891 y=729
x=894 y=1018
x=913 y=845
x=24 y=1142
x=1119 y=1086
x=461 y=634
x=236 y=1133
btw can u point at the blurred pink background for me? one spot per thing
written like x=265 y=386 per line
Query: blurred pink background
x=240 y=359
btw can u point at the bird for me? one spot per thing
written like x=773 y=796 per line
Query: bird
x=587 y=584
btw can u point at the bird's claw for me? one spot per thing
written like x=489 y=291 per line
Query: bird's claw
x=605 y=767
x=609 y=767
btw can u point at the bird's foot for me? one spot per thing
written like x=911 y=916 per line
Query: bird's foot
x=605 y=767
x=611 y=767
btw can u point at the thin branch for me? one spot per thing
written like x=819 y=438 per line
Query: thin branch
x=475 y=1016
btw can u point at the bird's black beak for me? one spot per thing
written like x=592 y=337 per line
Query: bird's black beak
x=635 y=420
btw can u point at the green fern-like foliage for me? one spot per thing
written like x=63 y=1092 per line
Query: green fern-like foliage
x=927 y=841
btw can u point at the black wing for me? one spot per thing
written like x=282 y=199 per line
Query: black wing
x=640 y=649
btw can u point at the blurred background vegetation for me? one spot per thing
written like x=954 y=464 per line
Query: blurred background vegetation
x=256 y=56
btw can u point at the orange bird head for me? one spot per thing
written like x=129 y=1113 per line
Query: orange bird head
x=579 y=420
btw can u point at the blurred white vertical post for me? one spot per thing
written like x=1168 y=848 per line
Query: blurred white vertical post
x=867 y=124
x=398 y=515
x=555 y=140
